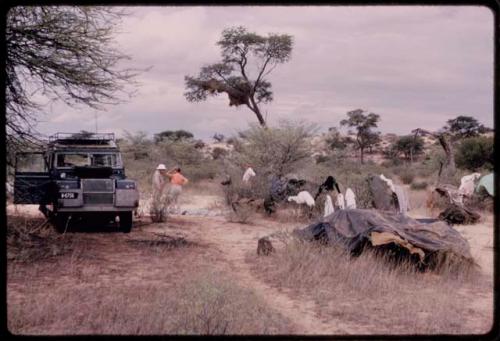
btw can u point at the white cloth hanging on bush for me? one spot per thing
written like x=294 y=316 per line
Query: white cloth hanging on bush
x=328 y=206
x=350 y=199
x=340 y=201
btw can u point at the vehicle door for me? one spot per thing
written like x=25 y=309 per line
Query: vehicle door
x=32 y=180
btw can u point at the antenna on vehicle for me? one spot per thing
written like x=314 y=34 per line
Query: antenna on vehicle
x=95 y=115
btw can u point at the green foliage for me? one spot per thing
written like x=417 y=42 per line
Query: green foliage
x=199 y=144
x=240 y=49
x=349 y=174
x=173 y=135
x=64 y=53
x=408 y=145
x=464 y=127
x=419 y=186
x=219 y=137
x=183 y=153
x=141 y=156
x=218 y=153
x=475 y=152
x=407 y=175
x=322 y=158
x=372 y=140
x=336 y=141
x=137 y=144
x=363 y=124
x=277 y=150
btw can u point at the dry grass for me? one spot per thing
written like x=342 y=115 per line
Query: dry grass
x=372 y=292
x=244 y=214
x=206 y=303
x=145 y=283
x=30 y=239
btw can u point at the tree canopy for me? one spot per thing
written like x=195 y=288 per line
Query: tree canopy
x=247 y=58
x=60 y=53
x=476 y=152
x=409 y=146
x=464 y=126
x=335 y=140
x=173 y=135
x=363 y=122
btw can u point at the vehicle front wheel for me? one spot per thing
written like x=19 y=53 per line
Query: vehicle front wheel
x=126 y=222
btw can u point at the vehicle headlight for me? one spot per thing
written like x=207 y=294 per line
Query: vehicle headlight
x=125 y=184
x=68 y=184
x=63 y=175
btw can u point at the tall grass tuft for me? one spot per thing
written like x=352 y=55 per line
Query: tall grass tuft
x=372 y=291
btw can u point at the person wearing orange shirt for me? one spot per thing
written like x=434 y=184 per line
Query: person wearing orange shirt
x=177 y=180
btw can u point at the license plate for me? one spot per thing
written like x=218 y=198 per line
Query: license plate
x=68 y=195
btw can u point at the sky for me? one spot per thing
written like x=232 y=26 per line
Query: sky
x=415 y=66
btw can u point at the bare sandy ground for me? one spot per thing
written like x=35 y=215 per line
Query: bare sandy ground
x=235 y=242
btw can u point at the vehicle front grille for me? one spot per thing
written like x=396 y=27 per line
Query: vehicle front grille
x=97 y=198
x=98 y=185
x=98 y=191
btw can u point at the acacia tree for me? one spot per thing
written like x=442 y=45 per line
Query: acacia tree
x=335 y=140
x=243 y=53
x=373 y=140
x=363 y=125
x=173 y=135
x=410 y=146
x=464 y=126
x=59 y=53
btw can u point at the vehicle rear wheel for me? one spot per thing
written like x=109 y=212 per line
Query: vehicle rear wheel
x=126 y=222
x=61 y=222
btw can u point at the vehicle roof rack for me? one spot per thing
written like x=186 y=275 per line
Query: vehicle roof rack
x=82 y=138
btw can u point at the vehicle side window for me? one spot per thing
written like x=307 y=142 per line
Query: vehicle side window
x=30 y=162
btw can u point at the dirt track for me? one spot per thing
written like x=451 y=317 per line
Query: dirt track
x=236 y=242
x=113 y=259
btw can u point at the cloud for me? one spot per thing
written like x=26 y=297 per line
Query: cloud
x=414 y=65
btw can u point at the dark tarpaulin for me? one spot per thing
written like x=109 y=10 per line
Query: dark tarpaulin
x=382 y=196
x=353 y=228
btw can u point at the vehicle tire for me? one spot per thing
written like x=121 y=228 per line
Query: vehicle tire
x=61 y=222
x=126 y=222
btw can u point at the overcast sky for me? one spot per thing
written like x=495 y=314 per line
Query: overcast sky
x=416 y=66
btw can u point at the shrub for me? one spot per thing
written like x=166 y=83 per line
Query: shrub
x=243 y=214
x=419 y=185
x=474 y=153
x=199 y=144
x=158 y=211
x=173 y=135
x=272 y=151
x=321 y=158
x=275 y=150
x=31 y=239
x=407 y=175
x=218 y=137
x=218 y=152
x=409 y=146
x=480 y=201
x=349 y=174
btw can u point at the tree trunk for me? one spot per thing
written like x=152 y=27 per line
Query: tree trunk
x=256 y=110
x=362 y=159
x=449 y=168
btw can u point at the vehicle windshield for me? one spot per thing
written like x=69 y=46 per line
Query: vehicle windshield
x=65 y=160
